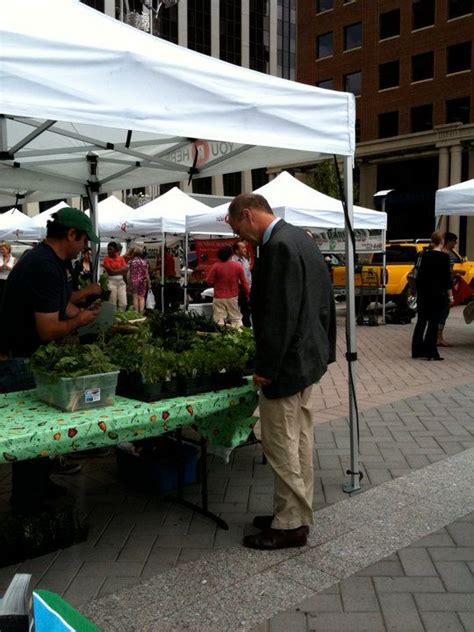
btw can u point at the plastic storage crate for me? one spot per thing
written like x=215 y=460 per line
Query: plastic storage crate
x=77 y=393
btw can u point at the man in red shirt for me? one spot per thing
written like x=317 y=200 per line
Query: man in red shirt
x=227 y=277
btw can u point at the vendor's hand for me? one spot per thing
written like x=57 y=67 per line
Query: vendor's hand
x=86 y=316
x=258 y=380
x=94 y=289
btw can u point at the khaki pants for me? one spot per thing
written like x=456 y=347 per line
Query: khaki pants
x=227 y=309
x=118 y=291
x=287 y=441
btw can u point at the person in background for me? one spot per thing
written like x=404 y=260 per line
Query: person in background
x=294 y=325
x=241 y=256
x=116 y=267
x=138 y=277
x=83 y=268
x=434 y=294
x=227 y=277
x=449 y=243
x=37 y=309
x=7 y=261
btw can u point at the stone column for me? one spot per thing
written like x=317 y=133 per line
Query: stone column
x=109 y=7
x=183 y=23
x=245 y=34
x=443 y=181
x=215 y=29
x=273 y=63
x=368 y=184
x=455 y=177
x=184 y=186
x=217 y=185
x=247 y=182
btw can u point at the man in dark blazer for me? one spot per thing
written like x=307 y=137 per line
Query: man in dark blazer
x=295 y=333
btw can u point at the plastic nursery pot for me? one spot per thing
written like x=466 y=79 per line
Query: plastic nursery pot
x=196 y=385
x=229 y=379
x=131 y=385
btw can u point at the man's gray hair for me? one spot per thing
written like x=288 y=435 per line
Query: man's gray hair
x=249 y=200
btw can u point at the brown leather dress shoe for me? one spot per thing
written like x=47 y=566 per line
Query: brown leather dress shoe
x=265 y=522
x=272 y=539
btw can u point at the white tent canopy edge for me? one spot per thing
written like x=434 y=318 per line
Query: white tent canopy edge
x=457 y=199
x=77 y=127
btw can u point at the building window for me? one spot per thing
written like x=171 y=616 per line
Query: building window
x=199 y=25
x=458 y=110
x=357 y=130
x=389 y=75
x=95 y=4
x=230 y=31
x=259 y=36
x=259 y=178
x=388 y=124
x=458 y=8
x=168 y=24
x=324 y=45
x=286 y=38
x=390 y=24
x=353 y=83
x=202 y=185
x=423 y=13
x=328 y=84
x=459 y=57
x=422 y=66
x=353 y=36
x=421 y=118
x=324 y=5
x=232 y=183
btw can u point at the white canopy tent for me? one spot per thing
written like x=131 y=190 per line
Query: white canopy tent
x=297 y=203
x=16 y=226
x=92 y=105
x=457 y=199
x=114 y=218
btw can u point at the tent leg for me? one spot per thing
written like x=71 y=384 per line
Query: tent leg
x=351 y=355
x=384 y=273
x=163 y=253
x=186 y=254
x=94 y=200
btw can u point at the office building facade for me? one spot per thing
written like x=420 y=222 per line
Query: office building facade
x=410 y=65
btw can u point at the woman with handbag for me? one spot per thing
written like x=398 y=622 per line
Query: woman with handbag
x=138 y=278
x=434 y=291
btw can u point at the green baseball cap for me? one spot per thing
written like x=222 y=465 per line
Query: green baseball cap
x=74 y=218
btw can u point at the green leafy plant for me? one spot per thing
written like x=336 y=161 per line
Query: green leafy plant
x=71 y=360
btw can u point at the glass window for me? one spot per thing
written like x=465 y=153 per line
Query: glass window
x=324 y=45
x=199 y=25
x=458 y=110
x=389 y=75
x=353 y=83
x=326 y=83
x=388 y=124
x=423 y=13
x=202 y=185
x=232 y=183
x=230 y=16
x=95 y=4
x=168 y=24
x=459 y=57
x=421 y=118
x=324 y=5
x=353 y=36
x=390 y=24
x=259 y=36
x=357 y=130
x=422 y=66
x=457 y=8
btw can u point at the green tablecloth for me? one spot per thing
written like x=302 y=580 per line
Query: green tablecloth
x=30 y=428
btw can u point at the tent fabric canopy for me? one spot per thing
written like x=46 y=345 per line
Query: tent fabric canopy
x=457 y=199
x=297 y=203
x=90 y=100
x=15 y=226
x=165 y=214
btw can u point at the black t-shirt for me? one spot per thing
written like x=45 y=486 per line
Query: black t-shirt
x=434 y=274
x=39 y=282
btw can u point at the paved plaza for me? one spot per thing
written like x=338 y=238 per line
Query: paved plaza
x=396 y=557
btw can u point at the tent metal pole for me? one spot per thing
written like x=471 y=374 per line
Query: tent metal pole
x=384 y=272
x=351 y=355
x=163 y=253
x=94 y=200
x=186 y=248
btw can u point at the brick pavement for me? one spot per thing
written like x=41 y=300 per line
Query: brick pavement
x=133 y=535
x=425 y=587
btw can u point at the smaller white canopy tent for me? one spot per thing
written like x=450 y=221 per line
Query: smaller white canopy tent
x=297 y=203
x=457 y=199
x=40 y=221
x=115 y=219
x=16 y=226
x=165 y=214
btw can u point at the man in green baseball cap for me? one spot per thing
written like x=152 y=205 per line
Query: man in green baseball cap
x=74 y=218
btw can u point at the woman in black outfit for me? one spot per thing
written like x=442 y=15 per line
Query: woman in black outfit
x=434 y=291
